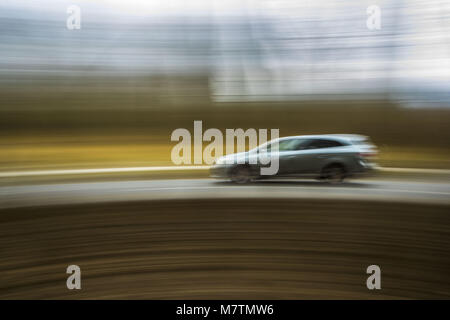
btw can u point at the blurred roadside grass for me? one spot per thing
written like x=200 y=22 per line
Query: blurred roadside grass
x=61 y=154
x=45 y=130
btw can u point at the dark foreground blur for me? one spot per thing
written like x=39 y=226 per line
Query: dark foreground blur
x=211 y=249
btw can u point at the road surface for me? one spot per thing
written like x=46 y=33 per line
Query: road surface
x=93 y=192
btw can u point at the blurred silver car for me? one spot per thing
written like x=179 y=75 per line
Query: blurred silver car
x=331 y=157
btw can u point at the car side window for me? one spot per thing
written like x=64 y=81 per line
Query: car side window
x=282 y=146
x=288 y=145
x=302 y=144
x=322 y=143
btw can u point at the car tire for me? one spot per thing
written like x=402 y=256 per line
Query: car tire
x=333 y=174
x=241 y=174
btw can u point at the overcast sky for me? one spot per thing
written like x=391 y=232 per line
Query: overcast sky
x=297 y=45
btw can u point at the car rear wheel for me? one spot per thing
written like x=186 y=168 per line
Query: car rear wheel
x=333 y=174
x=241 y=174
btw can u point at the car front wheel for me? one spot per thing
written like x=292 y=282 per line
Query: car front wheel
x=241 y=175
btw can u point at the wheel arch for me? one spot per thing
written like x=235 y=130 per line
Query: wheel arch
x=335 y=163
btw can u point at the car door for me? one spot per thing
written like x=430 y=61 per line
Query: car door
x=305 y=154
x=287 y=154
x=314 y=154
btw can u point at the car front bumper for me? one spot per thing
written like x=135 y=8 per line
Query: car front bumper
x=364 y=168
x=219 y=171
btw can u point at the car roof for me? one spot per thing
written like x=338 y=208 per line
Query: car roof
x=334 y=136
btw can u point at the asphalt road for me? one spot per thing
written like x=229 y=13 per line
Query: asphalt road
x=93 y=192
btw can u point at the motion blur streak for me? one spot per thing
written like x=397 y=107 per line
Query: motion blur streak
x=109 y=95
x=226 y=249
x=245 y=50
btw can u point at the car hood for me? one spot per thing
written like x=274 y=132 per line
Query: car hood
x=233 y=158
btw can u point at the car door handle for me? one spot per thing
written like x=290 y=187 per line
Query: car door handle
x=322 y=156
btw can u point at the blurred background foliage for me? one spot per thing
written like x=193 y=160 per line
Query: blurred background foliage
x=111 y=93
